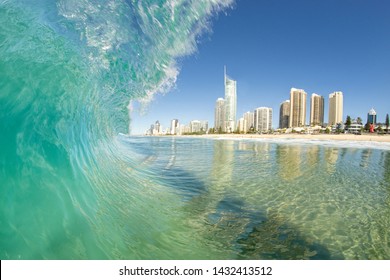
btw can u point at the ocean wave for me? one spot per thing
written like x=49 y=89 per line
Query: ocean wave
x=69 y=70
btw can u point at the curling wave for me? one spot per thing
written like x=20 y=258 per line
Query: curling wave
x=69 y=71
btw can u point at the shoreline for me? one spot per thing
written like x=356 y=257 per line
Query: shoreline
x=334 y=137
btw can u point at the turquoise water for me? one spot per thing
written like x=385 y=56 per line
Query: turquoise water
x=273 y=200
x=71 y=188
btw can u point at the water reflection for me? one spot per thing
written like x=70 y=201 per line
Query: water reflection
x=237 y=207
x=289 y=159
x=331 y=156
x=313 y=156
x=365 y=161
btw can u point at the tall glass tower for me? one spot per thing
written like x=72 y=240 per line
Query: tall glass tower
x=371 y=116
x=230 y=103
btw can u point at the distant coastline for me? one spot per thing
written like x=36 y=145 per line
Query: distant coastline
x=336 y=137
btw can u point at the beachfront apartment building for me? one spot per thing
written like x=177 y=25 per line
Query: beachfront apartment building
x=297 y=108
x=219 y=115
x=335 y=108
x=316 y=110
x=242 y=125
x=174 y=127
x=198 y=126
x=249 y=118
x=284 y=114
x=263 y=119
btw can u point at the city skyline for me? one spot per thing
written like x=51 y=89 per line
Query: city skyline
x=342 y=47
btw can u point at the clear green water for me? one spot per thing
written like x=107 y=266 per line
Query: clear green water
x=70 y=188
x=275 y=200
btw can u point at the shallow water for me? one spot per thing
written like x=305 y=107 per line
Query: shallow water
x=251 y=199
x=70 y=188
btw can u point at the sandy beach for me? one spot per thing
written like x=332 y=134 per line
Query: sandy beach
x=336 y=137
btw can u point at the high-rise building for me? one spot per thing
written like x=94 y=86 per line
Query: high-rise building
x=199 y=126
x=263 y=119
x=316 y=110
x=249 y=118
x=371 y=116
x=195 y=126
x=219 y=116
x=335 y=108
x=230 y=103
x=174 y=126
x=157 y=128
x=297 y=108
x=204 y=126
x=242 y=125
x=284 y=114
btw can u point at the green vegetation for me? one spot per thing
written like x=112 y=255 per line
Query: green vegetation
x=348 y=122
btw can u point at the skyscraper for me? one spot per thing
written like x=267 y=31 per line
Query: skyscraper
x=195 y=126
x=174 y=126
x=230 y=103
x=284 y=114
x=297 y=108
x=242 y=125
x=263 y=119
x=249 y=119
x=335 y=108
x=371 y=116
x=316 y=110
x=219 y=117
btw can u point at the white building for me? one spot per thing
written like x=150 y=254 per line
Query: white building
x=249 y=118
x=219 y=116
x=195 y=126
x=230 y=103
x=335 y=108
x=242 y=125
x=199 y=126
x=174 y=127
x=204 y=126
x=184 y=129
x=263 y=119
x=156 y=129
x=355 y=128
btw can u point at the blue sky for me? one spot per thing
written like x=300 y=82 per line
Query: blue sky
x=269 y=46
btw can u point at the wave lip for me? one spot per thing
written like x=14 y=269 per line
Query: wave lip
x=68 y=72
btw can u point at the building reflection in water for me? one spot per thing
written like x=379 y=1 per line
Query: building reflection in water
x=312 y=157
x=366 y=155
x=223 y=164
x=331 y=157
x=289 y=159
x=258 y=148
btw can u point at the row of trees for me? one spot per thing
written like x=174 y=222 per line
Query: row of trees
x=348 y=124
